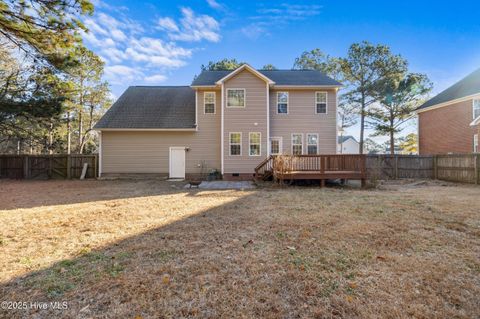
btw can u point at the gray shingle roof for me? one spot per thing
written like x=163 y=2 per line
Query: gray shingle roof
x=342 y=139
x=280 y=77
x=152 y=107
x=465 y=87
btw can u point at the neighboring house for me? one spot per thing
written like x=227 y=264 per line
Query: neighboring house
x=226 y=120
x=449 y=122
x=347 y=144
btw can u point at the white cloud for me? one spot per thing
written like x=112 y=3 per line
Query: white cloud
x=119 y=74
x=133 y=53
x=118 y=35
x=192 y=27
x=214 y=4
x=278 y=16
x=167 y=24
x=155 y=78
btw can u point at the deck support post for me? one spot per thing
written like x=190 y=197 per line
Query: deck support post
x=364 y=183
x=322 y=183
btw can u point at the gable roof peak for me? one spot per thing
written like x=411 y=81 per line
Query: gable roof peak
x=245 y=66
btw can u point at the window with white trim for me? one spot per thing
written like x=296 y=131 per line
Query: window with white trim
x=297 y=144
x=282 y=102
x=235 y=97
x=235 y=144
x=275 y=145
x=476 y=108
x=209 y=102
x=312 y=143
x=321 y=102
x=254 y=141
x=475 y=143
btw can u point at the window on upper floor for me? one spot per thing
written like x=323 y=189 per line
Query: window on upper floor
x=235 y=98
x=209 y=102
x=297 y=143
x=312 y=143
x=235 y=144
x=476 y=108
x=254 y=139
x=321 y=102
x=282 y=102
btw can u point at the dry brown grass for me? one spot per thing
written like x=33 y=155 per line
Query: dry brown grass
x=120 y=249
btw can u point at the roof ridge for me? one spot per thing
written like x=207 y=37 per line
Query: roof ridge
x=160 y=86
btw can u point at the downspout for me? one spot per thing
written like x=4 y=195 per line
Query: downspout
x=222 y=131
x=100 y=154
x=268 y=120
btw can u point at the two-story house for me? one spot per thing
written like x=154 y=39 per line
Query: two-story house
x=226 y=120
x=449 y=122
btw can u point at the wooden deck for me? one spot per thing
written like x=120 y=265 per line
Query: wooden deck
x=313 y=167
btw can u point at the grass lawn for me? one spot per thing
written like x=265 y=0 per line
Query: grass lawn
x=122 y=249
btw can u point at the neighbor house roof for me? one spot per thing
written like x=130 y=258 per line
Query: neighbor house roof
x=468 y=86
x=280 y=77
x=342 y=139
x=152 y=107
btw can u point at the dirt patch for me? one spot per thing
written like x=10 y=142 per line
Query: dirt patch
x=153 y=249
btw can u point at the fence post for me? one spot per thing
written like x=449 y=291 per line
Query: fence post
x=69 y=166
x=26 y=167
x=396 y=166
x=435 y=166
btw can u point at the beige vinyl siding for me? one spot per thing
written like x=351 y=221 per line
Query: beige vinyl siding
x=301 y=118
x=148 y=152
x=243 y=120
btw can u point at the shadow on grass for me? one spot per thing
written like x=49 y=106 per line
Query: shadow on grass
x=208 y=265
x=31 y=194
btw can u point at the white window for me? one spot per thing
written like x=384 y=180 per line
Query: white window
x=321 y=102
x=209 y=102
x=312 y=143
x=475 y=143
x=254 y=141
x=235 y=97
x=297 y=144
x=282 y=102
x=275 y=145
x=235 y=144
x=476 y=108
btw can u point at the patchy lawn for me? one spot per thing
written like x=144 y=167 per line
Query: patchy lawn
x=121 y=249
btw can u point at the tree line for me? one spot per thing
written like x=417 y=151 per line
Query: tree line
x=379 y=90
x=51 y=87
x=52 y=91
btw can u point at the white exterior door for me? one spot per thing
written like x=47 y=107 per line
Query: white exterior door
x=177 y=162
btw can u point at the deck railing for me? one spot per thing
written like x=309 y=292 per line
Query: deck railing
x=313 y=163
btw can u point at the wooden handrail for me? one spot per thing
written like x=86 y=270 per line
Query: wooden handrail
x=263 y=164
x=320 y=163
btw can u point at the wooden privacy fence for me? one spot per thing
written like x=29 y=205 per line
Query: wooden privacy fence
x=47 y=166
x=463 y=168
x=399 y=166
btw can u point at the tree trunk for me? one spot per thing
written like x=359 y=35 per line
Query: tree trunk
x=50 y=138
x=392 y=132
x=341 y=143
x=69 y=133
x=80 y=131
x=392 y=143
x=362 y=123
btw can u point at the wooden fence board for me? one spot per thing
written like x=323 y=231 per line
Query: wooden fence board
x=47 y=166
x=456 y=167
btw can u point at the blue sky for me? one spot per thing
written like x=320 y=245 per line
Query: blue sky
x=165 y=42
